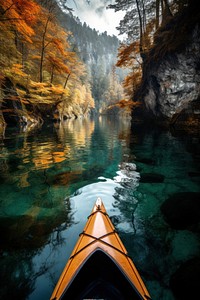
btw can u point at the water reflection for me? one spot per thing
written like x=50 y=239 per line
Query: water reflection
x=79 y=131
x=50 y=180
x=158 y=250
x=39 y=171
x=16 y=276
x=22 y=238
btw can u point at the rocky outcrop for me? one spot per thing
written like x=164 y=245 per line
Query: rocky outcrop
x=64 y=111
x=26 y=108
x=175 y=82
x=171 y=71
x=13 y=110
x=11 y=104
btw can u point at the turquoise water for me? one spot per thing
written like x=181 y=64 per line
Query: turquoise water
x=50 y=179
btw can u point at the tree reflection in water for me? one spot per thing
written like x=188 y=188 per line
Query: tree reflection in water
x=22 y=238
x=50 y=180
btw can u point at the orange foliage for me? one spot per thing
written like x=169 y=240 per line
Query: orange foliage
x=58 y=64
x=27 y=9
x=20 y=14
x=127 y=103
x=59 y=45
x=132 y=81
x=51 y=44
x=128 y=55
x=35 y=47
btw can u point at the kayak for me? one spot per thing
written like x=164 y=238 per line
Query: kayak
x=99 y=266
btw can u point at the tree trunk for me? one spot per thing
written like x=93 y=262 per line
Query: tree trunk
x=167 y=8
x=157 y=13
x=166 y=12
x=66 y=80
x=144 y=23
x=43 y=49
x=141 y=28
x=52 y=69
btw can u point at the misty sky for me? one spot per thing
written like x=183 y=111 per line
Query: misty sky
x=95 y=14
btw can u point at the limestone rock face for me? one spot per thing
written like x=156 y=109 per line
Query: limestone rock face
x=175 y=82
x=170 y=87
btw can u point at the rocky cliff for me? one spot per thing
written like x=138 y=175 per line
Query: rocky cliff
x=170 y=89
x=27 y=108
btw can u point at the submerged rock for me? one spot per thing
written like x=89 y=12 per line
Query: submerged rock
x=185 y=281
x=182 y=210
x=27 y=231
x=145 y=160
x=151 y=178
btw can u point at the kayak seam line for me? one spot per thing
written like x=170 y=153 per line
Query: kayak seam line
x=120 y=251
x=97 y=211
x=95 y=239
x=123 y=253
x=104 y=242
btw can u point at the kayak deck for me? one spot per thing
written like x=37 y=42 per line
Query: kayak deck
x=100 y=278
x=99 y=267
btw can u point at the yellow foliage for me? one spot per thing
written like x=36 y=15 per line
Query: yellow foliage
x=58 y=90
x=37 y=57
x=38 y=85
x=31 y=38
x=17 y=69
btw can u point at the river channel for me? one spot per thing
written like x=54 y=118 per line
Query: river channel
x=50 y=179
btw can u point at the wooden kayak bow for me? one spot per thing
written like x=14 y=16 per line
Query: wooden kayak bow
x=99 y=266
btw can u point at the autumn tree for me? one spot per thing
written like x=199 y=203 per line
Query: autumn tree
x=21 y=15
x=55 y=66
x=76 y=68
x=16 y=21
x=143 y=17
x=129 y=58
x=46 y=39
x=34 y=47
x=141 y=21
x=114 y=92
x=135 y=24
